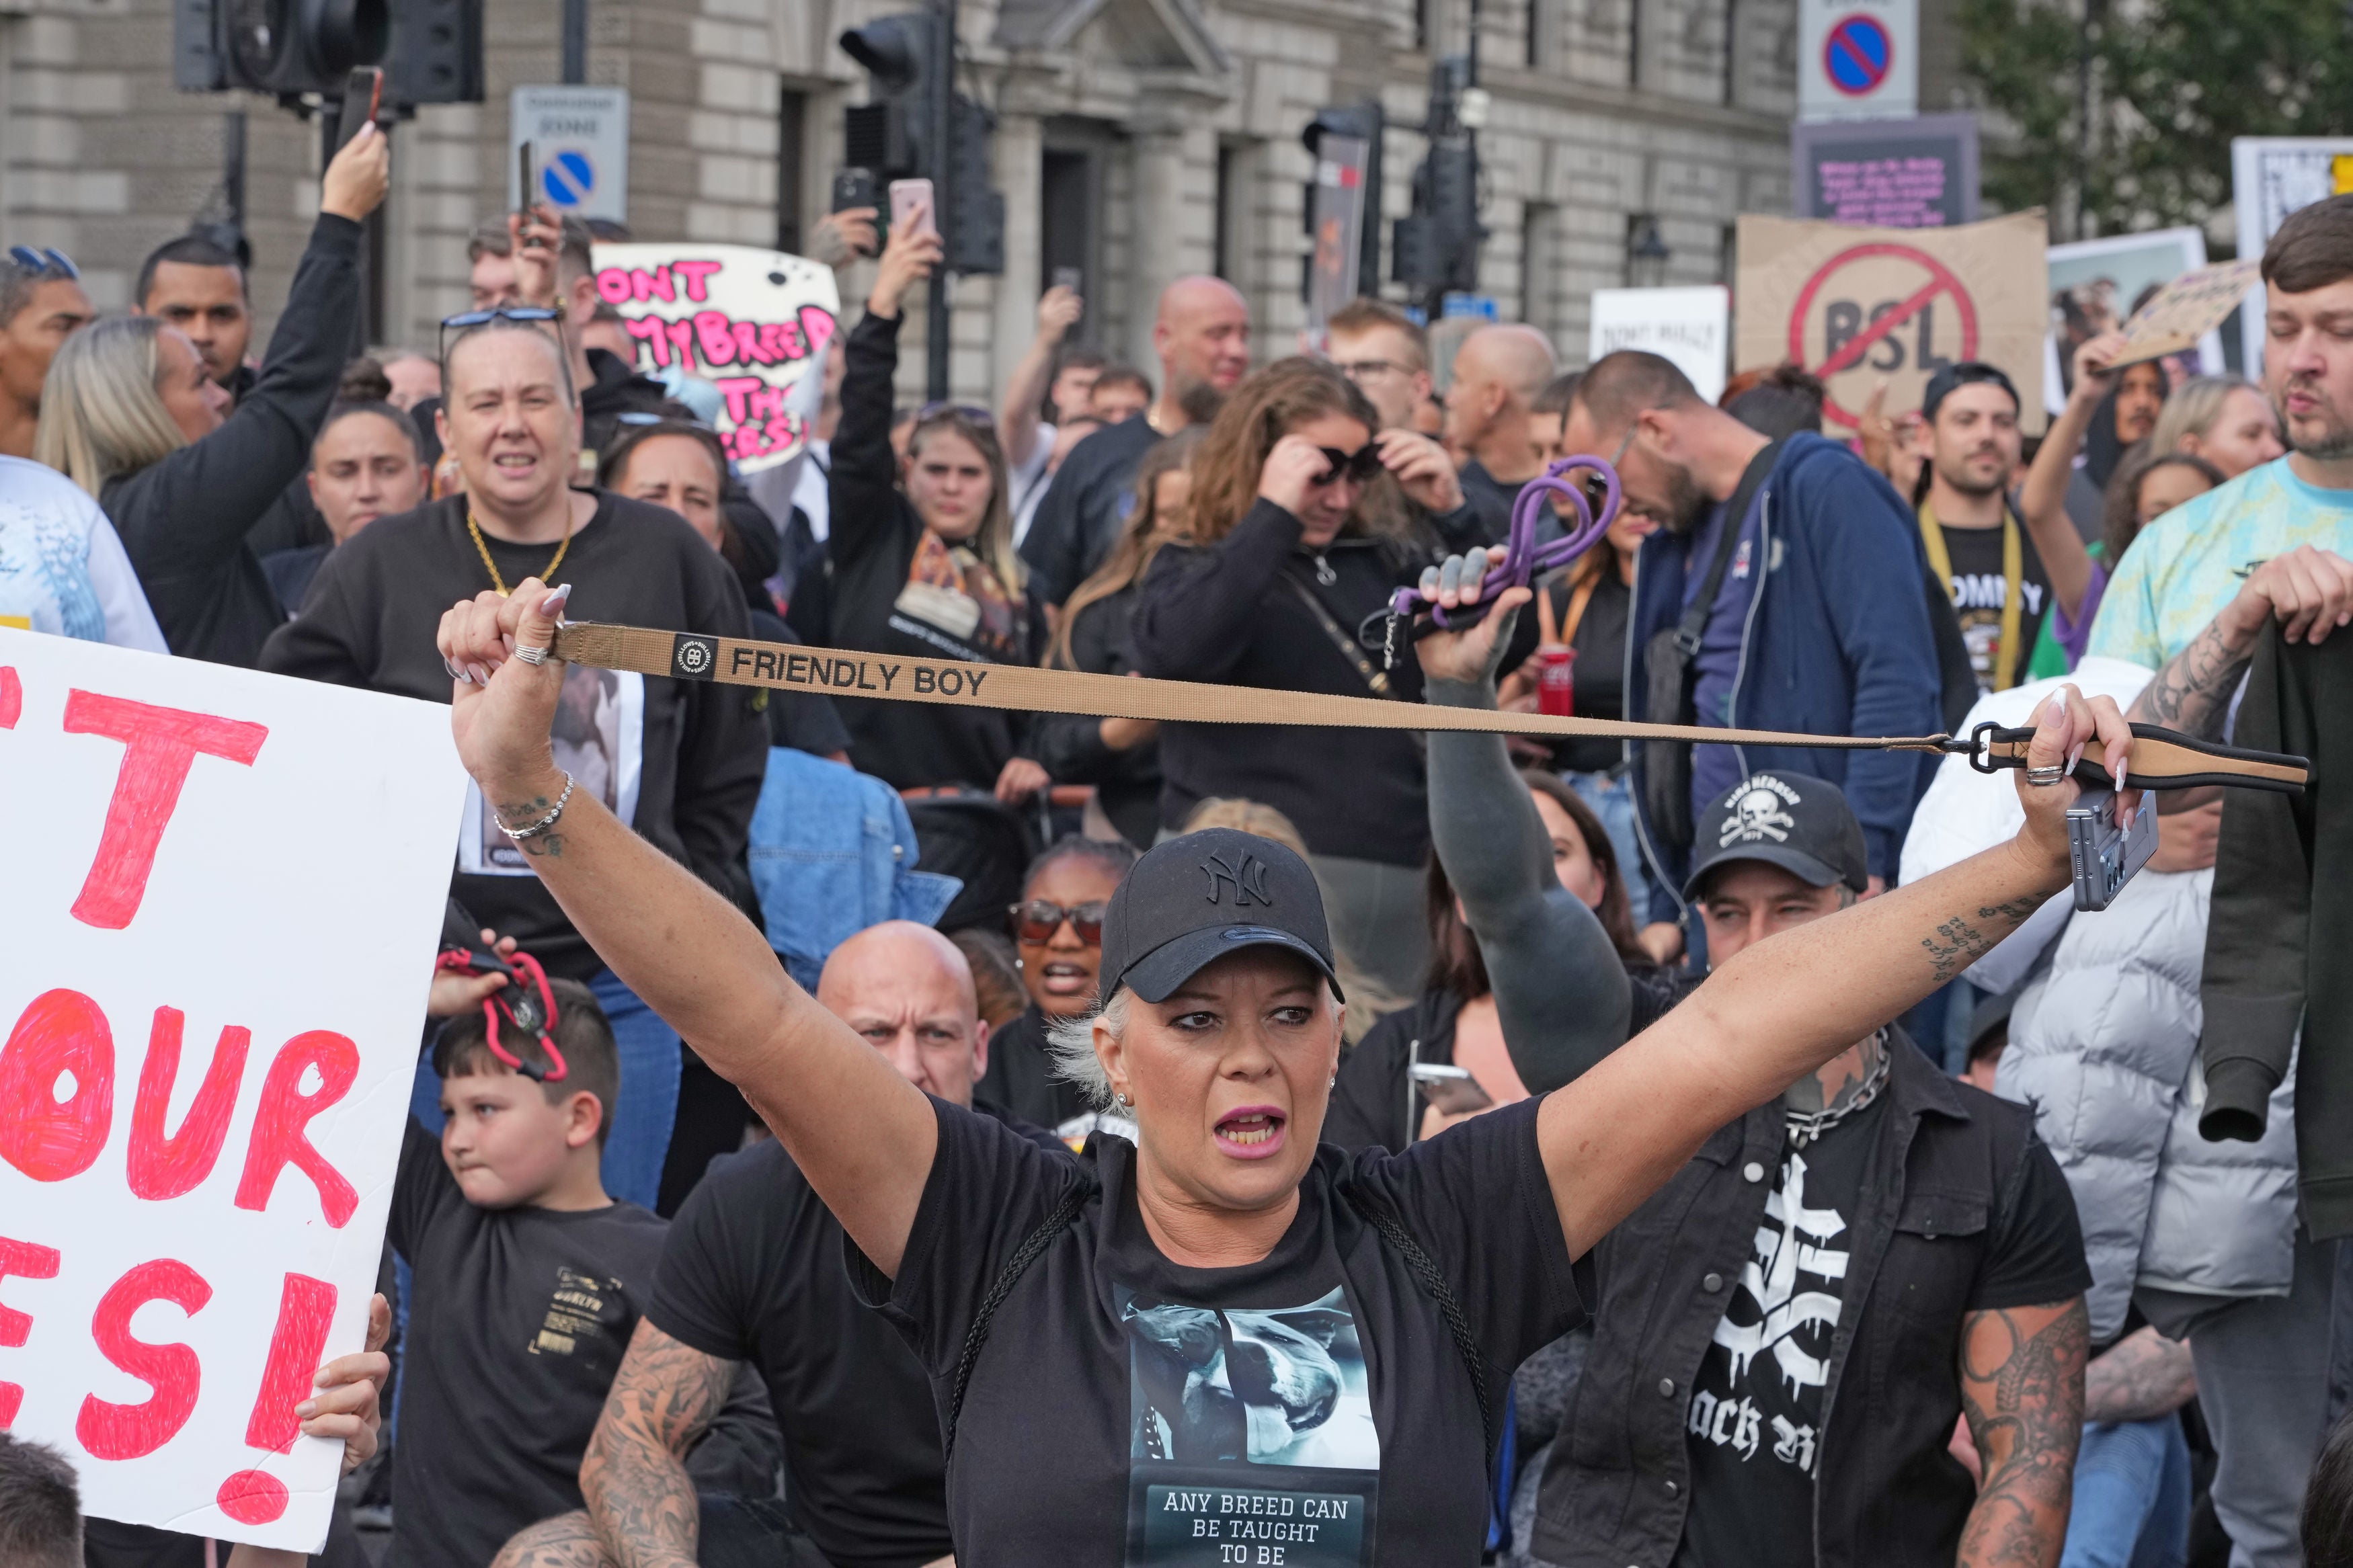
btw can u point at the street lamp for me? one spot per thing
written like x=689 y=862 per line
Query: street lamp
x=1646 y=252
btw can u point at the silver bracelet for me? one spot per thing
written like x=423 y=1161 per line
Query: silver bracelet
x=544 y=823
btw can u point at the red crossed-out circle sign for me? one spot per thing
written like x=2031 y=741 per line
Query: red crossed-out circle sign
x=1941 y=281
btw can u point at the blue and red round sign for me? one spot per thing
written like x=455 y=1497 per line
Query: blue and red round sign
x=1857 y=54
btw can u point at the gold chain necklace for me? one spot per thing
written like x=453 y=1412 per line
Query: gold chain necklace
x=547 y=573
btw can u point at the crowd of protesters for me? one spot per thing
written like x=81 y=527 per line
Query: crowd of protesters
x=1451 y=1181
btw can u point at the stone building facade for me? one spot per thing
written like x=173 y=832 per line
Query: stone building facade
x=1137 y=140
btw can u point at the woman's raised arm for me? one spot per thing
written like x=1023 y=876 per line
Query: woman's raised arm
x=1782 y=1008
x=864 y=1135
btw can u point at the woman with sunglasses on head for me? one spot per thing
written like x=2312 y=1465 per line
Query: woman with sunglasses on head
x=1058 y=931
x=1304 y=522
x=681 y=761
x=131 y=414
x=927 y=570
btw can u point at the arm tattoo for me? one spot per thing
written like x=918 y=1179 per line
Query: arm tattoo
x=519 y=814
x=1958 y=944
x=634 y=1476
x=2022 y=1394
x=2142 y=1376
x=2192 y=693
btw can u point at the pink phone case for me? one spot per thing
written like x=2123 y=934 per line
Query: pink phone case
x=906 y=196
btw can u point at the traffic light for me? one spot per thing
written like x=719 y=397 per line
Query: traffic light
x=910 y=62
x=436 y=52
x=900 y=55
x=1365 y=122
x=1437 y=249
x=287 y=47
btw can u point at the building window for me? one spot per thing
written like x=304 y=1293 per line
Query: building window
x=1728 y=271
x=1425 y=25
x=1540 y=265
x=792 y=159
x=1634 y=42
x=1731 y=52
x=1233 y=185
x=1535 y=40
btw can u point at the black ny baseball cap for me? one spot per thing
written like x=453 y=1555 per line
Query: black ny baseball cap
x=1795 y=821
x=1194 y=900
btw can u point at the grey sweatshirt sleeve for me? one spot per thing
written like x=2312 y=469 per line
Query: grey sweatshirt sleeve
x=1561 y=992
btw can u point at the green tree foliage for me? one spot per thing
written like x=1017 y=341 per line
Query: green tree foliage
x=2176 y=79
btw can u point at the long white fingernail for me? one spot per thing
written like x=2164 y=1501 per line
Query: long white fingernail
x=553 y=605
x=2074 y=757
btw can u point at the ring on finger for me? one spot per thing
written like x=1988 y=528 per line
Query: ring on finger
x=2043 y=778
x=534 y=657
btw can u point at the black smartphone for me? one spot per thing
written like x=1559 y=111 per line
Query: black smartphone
x=524 y=174
x=364 y=85
x=852 y=188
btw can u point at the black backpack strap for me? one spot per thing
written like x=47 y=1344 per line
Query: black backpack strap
x=1032 y=1244
x=1392 y=1230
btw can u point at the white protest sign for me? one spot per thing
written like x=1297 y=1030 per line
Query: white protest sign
x=2272 y=177
x=1690 y=326
x=751 y=322
x=224 y=893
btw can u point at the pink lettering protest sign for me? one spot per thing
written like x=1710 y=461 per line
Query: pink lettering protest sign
x=754 y=323
x=223 y=893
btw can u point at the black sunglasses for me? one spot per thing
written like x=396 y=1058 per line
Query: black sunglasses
x=968 y=412
x=1036 y=920
x=470 y=320
x=1363 y=465
x=45 y=262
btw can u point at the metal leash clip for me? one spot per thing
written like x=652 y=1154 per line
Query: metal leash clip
x=1524 y=559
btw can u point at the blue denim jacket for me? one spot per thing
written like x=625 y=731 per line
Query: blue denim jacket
x=833 y=852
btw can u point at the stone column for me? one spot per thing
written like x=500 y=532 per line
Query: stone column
x=1020 y=161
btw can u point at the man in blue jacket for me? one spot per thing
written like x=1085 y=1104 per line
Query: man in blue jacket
x=1818 y=622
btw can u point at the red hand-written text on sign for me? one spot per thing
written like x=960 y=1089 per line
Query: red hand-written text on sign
x=59 y=1033
x=161 y=744
x=280 y=1136
x=110 y=1431
x=32 y=1261
x=163 y=1167
x=637 y=285
x=11 y=697
x=305 y=1308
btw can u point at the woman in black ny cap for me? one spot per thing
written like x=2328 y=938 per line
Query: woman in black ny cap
x=1220 y=1339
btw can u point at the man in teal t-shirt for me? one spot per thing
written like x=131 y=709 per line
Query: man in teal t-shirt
x=2188 y=564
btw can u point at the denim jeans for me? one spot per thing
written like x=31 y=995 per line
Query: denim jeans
x=2263 y=1383
x=640 y=1139
x=2132 y=1496
x=1612 y=800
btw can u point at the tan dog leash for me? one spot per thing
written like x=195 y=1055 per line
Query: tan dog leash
x=2161 y=759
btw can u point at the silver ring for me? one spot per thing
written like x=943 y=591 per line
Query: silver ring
x=2042 y=778
x=533 y=657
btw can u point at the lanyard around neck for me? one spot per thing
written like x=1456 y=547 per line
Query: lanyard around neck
x=2013 y=577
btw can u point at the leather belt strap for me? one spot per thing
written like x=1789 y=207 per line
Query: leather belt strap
x=742 y=661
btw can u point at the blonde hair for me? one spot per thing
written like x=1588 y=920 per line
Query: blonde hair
x=993 y=540
x=1368 y=1000
x=102 y=417
x=2192 y=409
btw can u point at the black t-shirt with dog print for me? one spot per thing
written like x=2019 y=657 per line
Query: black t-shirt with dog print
x=1310 y=1409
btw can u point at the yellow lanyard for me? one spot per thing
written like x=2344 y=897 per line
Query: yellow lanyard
x=2013 y=578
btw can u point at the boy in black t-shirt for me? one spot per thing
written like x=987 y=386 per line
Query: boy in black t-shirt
x=529 y=1281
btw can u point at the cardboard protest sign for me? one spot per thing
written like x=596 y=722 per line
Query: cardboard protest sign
x=1858 y=305
x=752 y=323
x=2186 y=309
x=224 y=893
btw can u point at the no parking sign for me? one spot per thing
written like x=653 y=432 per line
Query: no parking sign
x=1858 y=59
x=579 y=140
x=1855 y=306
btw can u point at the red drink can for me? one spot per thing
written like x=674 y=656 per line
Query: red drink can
x=1557 y=680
